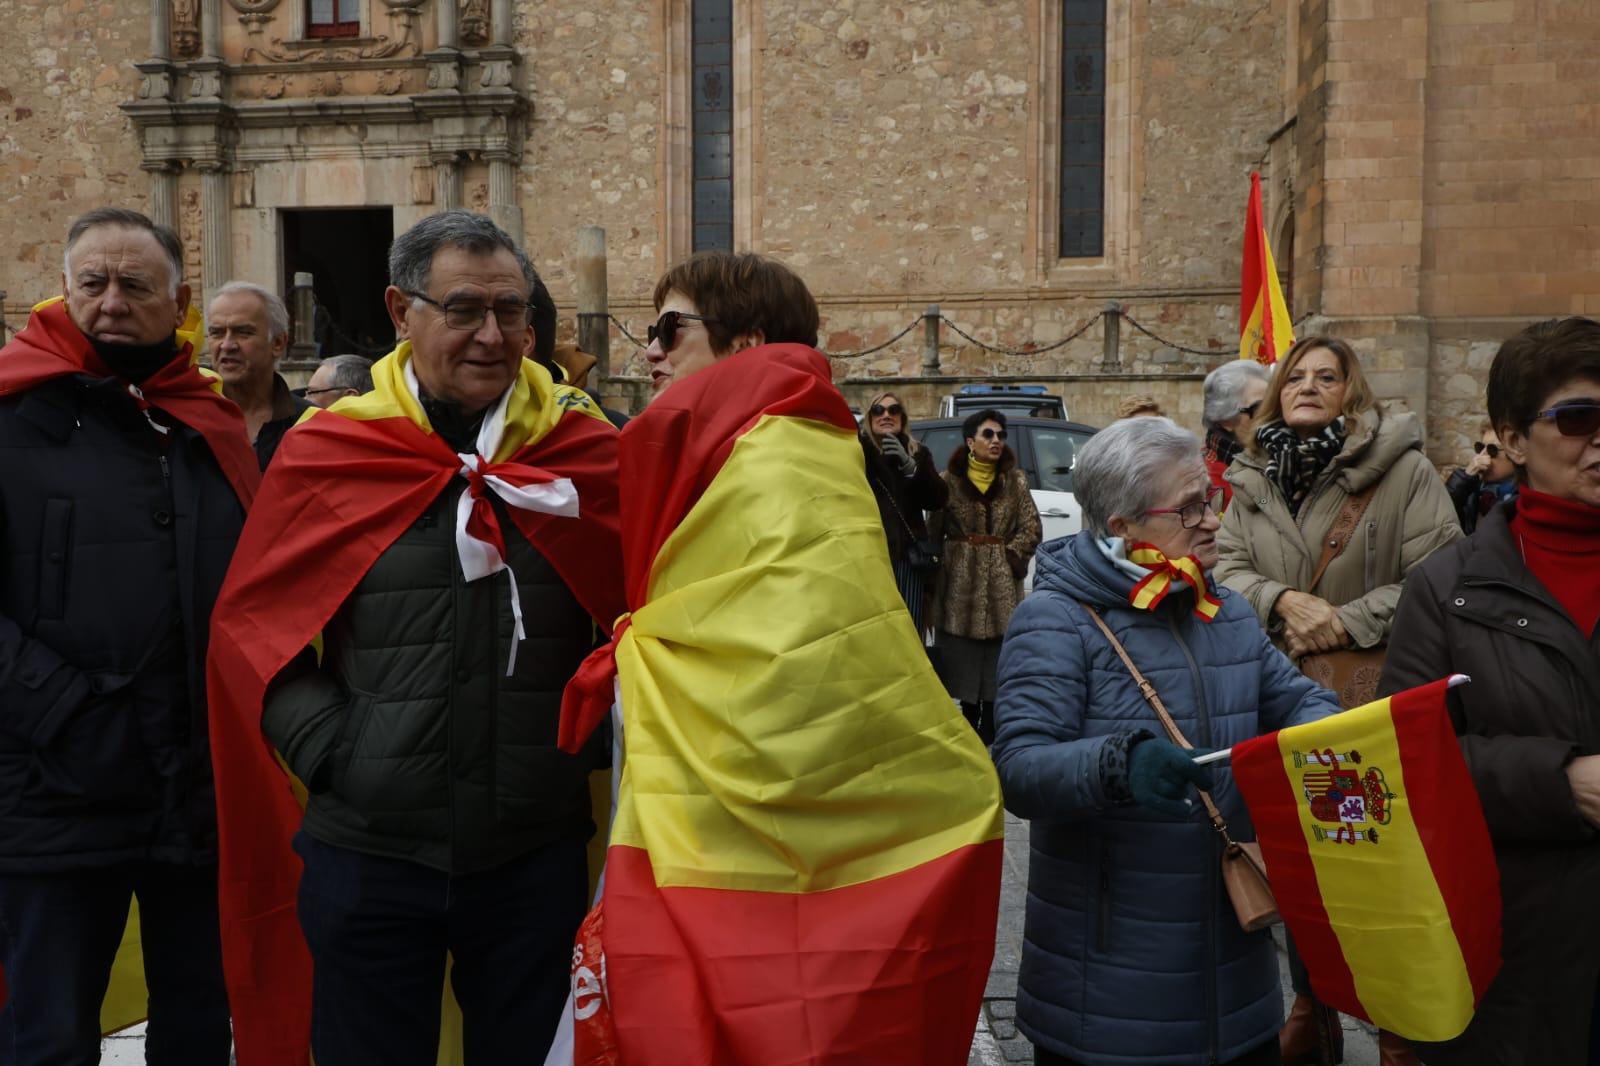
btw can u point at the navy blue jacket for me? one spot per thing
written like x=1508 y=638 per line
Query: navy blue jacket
x=1131 y=951
x=114 y=539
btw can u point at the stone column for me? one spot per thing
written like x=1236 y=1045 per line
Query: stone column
x=503 y=196
x=216 y=239
x=161 y=30
x=448 y=37
x=446 y=183
x=500 y=22
x=210 y=27
x=164 y=194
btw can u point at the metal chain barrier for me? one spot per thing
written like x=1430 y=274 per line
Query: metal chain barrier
x=878 y=348
x=1130 y=320
x=1074 y=335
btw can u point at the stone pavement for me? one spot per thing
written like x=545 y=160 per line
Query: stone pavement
x=997 y=1042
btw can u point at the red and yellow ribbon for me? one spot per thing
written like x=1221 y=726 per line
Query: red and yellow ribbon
x=1163 y=573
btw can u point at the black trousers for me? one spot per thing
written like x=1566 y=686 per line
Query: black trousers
x=1264 y=1055
x=58 y=936
x=379 y=930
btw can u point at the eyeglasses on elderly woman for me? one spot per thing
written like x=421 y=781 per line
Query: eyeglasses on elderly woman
x=1571 y=419
x=1192 y=514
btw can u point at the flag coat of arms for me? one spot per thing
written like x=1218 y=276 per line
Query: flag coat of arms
x=804 y=864
x=1380 y=859
x=1265 y=331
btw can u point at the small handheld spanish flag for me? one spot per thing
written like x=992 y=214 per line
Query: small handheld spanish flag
x=1380 y=860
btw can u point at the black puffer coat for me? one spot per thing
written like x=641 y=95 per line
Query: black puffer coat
x=902 y=499
x=414 y=742
x=113 y=543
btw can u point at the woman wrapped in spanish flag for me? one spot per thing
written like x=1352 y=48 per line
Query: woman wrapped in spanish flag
x=805 y=855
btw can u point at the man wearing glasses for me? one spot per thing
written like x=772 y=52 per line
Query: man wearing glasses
x=1489 y=478
x=247 y=331
x=452 y=537
x=336 y=377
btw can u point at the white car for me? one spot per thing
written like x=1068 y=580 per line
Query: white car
x=1046 y=449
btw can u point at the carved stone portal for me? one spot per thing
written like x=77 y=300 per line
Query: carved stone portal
x=475 y=23
x=185 y=28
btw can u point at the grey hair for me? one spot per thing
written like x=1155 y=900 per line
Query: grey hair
x=277 y=313
x=127 y=218
x=1118 y=471
x=1225 y=385
x=349 y=372
x=411 y=254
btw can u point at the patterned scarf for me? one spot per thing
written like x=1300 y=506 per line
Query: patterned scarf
x=1293 y=464
x=1221 y=445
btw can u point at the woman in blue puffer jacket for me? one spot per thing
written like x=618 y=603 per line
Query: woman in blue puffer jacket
x=1132 y=953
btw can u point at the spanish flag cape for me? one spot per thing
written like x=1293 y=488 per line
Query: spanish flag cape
x=805 y=857
x=52 y=346
x=344 y=484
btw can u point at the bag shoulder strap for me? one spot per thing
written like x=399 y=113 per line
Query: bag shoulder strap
x=1342 y=531
x=1148 y=691
x=889 y=494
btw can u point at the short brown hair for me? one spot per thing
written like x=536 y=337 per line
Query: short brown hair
x=1358 y=395
x=1133 y=405
x=744 y=292
x=1534 y=363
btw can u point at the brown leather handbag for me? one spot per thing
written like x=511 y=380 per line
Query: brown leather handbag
x=1244 y=874
x=1352 y=673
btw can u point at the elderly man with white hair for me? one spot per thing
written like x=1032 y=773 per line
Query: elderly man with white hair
x=1233 y=391
x=247 y=327
x=1126 y=896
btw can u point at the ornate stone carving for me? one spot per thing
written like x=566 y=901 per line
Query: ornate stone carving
x=328 y=83
x=189 y=230
x=402 y=13
x=205 y=80
x=390 y=82
x=474 y=23
x=155 y=80
x=185 y=28
x=478 y=197
x=444 y=71
x=254 y=7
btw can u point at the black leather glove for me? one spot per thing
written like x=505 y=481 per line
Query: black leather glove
x=1160 y=773
x=896 y=453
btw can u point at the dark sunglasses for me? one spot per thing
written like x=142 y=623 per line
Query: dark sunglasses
x=1479 y=447
x=666 y=327
x=879 y=409
x=1572 y=419
x=992 y=434
x=1251 y=410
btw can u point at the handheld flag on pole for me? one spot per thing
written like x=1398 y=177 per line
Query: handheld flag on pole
x=1265 y=331
x=1380 y=860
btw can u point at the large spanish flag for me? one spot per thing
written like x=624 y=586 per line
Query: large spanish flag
x=804 y=864
x=1265 y=331
x=1380 y=860
x=344 y=484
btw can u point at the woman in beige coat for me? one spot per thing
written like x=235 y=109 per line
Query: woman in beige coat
x=990 y=529
x=1322 y=438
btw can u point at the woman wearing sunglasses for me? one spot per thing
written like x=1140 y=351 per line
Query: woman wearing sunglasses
x=1328 y=465
x=1516 y=606
x=1488 y=480
x=906 y=483
x=989 y=529
x=1131 y=950
x=792 y=766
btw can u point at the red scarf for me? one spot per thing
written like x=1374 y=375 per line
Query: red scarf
x=52 y=346
x=1560 y=542
x=338 y=493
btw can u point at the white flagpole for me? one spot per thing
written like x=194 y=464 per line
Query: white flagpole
x=1225 y=754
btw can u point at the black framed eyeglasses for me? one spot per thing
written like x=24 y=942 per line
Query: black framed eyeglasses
x=1192 y=514
x=1478 y=448
x=1572 y=419
x=666 y=328
x=511 y=317
x=892 y=409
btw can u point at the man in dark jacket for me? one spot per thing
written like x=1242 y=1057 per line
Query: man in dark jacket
x=124 y=477
x=247 y=327
x=462 y=542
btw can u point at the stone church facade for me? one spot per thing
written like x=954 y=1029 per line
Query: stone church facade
x=1431 y=167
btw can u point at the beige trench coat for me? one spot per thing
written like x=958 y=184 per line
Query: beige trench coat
x=1265 y=552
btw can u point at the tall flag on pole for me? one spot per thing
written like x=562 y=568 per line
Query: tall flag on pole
x=1265 y=331
x=1380 y=860
x=804 y=866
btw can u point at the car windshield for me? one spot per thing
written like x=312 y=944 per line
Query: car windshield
x=1054 y=451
